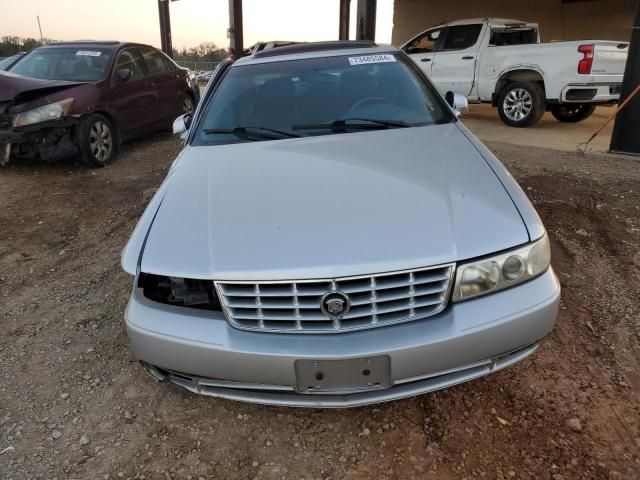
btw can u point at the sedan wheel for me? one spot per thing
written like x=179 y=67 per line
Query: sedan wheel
x=187 y=105
x=100 y=141
x=97 y=139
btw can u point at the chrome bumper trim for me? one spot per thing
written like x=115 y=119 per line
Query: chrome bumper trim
x=281 y=395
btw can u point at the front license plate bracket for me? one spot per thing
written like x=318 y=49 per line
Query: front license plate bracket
x=343 y=376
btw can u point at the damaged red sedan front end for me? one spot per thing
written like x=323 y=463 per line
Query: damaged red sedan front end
x=82 y=99
x=25 y=130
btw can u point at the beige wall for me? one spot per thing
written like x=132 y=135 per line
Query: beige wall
x=597 y=19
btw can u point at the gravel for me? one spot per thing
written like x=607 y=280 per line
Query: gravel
x=66 y=366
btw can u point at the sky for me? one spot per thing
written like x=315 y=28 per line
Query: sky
x=192 y=21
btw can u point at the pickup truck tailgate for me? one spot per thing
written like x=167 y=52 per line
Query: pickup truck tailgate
x=609 y=58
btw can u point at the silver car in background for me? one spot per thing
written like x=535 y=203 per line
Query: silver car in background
x=331 y=235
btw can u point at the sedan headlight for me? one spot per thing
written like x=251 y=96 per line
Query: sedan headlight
x=502 y=271
x=180 y=292
x=44 y=113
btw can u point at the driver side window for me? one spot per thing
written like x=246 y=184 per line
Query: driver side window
x=130 y=59
x=425 y=43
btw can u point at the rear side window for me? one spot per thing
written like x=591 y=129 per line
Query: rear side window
x=154 y=61
x=462 y=36
x=515 y=36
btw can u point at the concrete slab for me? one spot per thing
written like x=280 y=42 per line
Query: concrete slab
x=484 y=121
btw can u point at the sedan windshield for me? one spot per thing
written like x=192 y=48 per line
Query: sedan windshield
x=76 y=64
x=319 y=96
x=7 y=62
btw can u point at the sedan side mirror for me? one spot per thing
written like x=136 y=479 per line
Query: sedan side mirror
x=181 y=125
x=458 y=102
x=124 y=75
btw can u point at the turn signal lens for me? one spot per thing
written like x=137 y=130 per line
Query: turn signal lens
x=539 y=257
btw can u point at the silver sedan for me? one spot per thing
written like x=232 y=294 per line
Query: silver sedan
x=331 y=235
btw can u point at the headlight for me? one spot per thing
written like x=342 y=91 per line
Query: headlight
x=44 y=113
x=502 y=271
x=182 y=292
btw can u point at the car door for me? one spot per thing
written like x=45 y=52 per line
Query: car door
x=167 y=82
x=132 y=99
x=454 y=65
x=423 y=48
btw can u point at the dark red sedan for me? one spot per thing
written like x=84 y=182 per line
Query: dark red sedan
x=83 y=99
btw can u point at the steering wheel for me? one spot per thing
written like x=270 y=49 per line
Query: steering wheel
x=364 y=101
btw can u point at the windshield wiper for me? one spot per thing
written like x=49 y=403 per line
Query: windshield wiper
x=345 y=124
x=253 y=133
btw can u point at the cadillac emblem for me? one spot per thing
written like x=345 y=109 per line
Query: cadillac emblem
x=335 y=305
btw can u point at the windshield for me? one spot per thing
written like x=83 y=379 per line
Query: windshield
x=318 y=96
x=6 y=62
x=77 y=64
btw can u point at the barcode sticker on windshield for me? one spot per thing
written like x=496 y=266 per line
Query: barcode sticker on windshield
x=88 y=53
x=371 y=59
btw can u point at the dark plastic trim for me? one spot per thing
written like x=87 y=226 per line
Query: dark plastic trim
x=314 y=47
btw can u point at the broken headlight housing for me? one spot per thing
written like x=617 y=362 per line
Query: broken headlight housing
x=501 y=271
x=182 y=292
x=51 y=111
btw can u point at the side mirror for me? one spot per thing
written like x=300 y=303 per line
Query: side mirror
x=458 y=102
x=181 y=125
x=124 y=74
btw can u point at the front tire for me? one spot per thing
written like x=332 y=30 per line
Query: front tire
x=97 y=141
x=572 y=112
x=521 y=104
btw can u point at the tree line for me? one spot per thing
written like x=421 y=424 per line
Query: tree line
x=10 y=45
x=205 y=52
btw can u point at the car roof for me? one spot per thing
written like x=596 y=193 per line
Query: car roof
x=110 y=44
x=491 y=21
x=307 y=50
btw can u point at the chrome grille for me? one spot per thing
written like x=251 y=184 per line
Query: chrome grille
x=376 y=300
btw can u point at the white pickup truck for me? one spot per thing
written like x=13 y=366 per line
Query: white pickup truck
x=503 y=62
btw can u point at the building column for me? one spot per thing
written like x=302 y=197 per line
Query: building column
x=345 y=11
x=165 y=27
x=235 y=33
x=625 y=138
x=366 y=20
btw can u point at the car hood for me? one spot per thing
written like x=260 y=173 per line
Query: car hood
x=330 y=206
x=21 y=89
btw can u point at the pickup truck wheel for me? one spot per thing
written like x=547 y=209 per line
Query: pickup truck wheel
x=97 y=141
x=573 y=112
x=521 y=104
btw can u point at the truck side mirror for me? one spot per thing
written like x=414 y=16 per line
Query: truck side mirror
x=458 y=102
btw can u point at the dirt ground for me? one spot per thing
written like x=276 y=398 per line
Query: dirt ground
x=74 y=404
x=484 y=121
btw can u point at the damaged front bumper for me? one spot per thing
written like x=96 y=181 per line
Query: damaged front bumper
x=50 y=141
